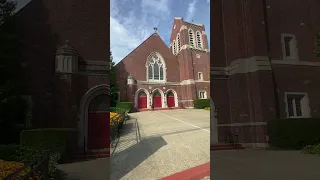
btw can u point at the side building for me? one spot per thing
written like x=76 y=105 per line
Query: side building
x=263 y=67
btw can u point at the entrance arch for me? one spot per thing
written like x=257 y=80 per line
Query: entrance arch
x=94 y=107
x=172 y=98
x=142 y=100
x=158 y=98
x=139 y=92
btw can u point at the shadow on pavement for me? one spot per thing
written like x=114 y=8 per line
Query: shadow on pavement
x=131 y=151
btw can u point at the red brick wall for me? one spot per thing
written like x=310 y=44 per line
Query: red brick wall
x=45 y=25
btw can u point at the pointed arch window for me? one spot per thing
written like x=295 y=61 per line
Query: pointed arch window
x=191 y=38
x=155 y=67
x=178 y=42
x=174 y=47
x=199 y=40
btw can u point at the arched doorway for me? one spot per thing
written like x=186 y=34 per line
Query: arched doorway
x=98 y=119
x=157 y=100
x=170 y=99
x=142 y=100
x=94 y=107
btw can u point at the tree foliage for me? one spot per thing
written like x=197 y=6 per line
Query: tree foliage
x=113 y=84
x=12 y=105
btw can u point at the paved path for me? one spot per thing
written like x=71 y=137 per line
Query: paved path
x=156 y=144
x=264 y=165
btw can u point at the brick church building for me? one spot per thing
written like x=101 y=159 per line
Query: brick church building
x=167 y=77
x=264 y=66
x=64 y=57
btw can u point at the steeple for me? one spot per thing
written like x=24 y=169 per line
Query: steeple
x=155 y=29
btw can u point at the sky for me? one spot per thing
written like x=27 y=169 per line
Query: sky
x=132 y=21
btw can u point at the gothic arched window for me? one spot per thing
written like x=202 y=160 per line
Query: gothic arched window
x=191 y=38
x=199 y=43
x=155 y=67
x=178 y=43
x=174 y=47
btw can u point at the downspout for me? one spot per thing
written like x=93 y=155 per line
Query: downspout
x=274 y=82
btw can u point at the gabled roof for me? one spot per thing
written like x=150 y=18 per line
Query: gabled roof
x=154 y=34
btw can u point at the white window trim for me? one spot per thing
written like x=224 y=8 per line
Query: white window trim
x=293 y=50
x=174 y=49
x=205 y=94
x=201 y=76
x=178 y=43
x=164 y=69
x=307 y=107
x=194 y=41
x=200 y=40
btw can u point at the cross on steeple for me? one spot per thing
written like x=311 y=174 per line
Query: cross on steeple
x=155 y=29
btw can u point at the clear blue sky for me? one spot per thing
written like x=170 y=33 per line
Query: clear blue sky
x=132 y=21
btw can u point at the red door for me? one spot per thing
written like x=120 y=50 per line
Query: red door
x=157 y=102
x=142 y=102
x=98 y=130
x=170 y=101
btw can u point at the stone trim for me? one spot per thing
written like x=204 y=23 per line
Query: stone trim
x=239 y=66
x=184 y=82
x=296 y=63
x=243 y=124
x=186 y=101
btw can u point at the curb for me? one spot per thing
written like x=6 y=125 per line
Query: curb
x=195 y=173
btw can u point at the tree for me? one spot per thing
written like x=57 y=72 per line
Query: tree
x=12 y=106
x=6 y=10
x=113 y=83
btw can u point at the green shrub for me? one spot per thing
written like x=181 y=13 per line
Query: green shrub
x=28 y=155
x=312 y=149
x=55 y=140
x=294 y=133
x=201 y=103
x=207 y=108
x=125 y=105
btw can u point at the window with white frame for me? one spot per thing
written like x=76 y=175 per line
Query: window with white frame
x=155 y=67
x=191 y=38
x=178 y=43
x=199 y=40
x=289 y=47
x=174 y=47
x=297 y=105
x=202 y=95
x=200 y=76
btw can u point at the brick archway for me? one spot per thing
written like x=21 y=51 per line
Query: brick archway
x=84 y=113
x=176 y=104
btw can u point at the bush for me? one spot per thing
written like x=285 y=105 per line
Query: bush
x=27 y=155
x=312 y=149
x=294 y=133
x=201 y=103
x=55 y=140
x=125 y=105
x=207 y=108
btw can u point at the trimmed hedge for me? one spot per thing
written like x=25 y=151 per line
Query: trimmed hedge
x=55 y=140
x=125 y=105
x=201 y=103
x=294 y=133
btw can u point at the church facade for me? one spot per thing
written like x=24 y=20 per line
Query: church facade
x=263 y=67
x=155 y=75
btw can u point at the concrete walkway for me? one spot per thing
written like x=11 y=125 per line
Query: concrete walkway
x=156 y=144
x=264 y=165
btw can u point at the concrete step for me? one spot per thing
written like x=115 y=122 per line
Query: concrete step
x=219 y=147
x=81 y=156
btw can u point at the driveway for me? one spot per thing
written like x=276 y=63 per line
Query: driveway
x=156 y=144
x=264 y=165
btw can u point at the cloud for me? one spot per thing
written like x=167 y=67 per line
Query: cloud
x=131 y=23
x=191 y=10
